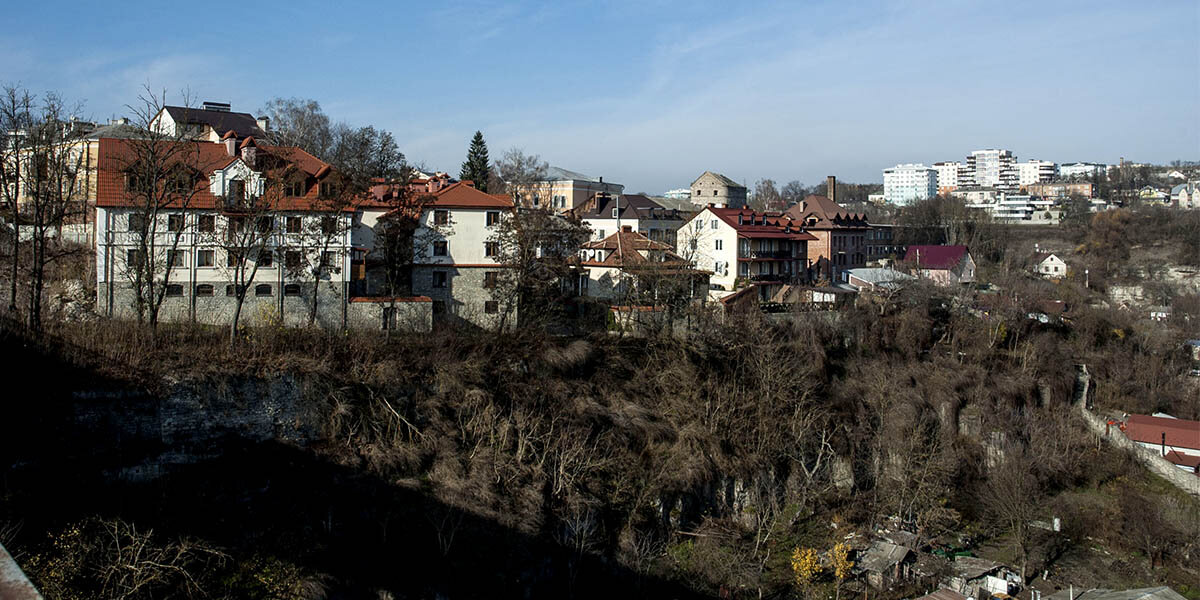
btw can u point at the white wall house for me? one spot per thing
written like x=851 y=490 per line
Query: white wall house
x=191 y=241
x=908 y=183
x=1050 y=266
x=457 y=261
x=742 y=247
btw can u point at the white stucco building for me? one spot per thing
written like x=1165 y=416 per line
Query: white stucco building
x=991 y=168
x=1035 y=171
x=948 y=175
x=908 y=183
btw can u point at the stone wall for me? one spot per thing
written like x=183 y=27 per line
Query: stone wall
x=1151 y=459
x=463 y=301
x=403 y=314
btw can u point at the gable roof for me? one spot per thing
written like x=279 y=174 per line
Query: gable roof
x=115 y=155
x=882 y=555
x=936 y=257
x=561 y=174
x=461 y=195
x=721 y=178
x=242 y=124
x=633 y=206
x=1179 y=432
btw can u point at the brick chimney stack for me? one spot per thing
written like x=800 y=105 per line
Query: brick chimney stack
x=831 y=188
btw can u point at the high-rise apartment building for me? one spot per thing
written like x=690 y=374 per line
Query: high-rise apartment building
x=948 y=175
x=908 y=183
x=1035 y=171
x=992 y=168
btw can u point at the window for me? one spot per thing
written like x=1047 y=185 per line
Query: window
x=236 y=191
x=329 y=259
x=293 y=224
x=291 y=289
x=439 y=307
x=262 y=289
x=491 y=307
x=265 y=259
x=714 y=224
x=296 y=189
x=491 y=249
x=693 y=245
x=174 y=222
x=266 y=224
x=600 y=234
x=174 y=289
x=441 y=248
x=206 y=223
x=175 y=258
x=614 y=212
x=291 y=259
x=135 y=259
x=204 y=289
x=232 y=290
x=328 y=225
x=490 y=278
x=232 y=257
x=137 y=222
x=206 y=258
x=493 y=218
x=714 y=192
x=328 y=190
x=441 y=217
x=439 y=279
x=717 y=245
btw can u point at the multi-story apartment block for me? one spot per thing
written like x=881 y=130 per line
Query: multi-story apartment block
x=991 y=168
x=608 y=214
x=456 y=254
x=718 y=190
x=1035 y=171
x=948 y=175
x=191 y=242
x=908 y=183
x=678 y=194
x=742 y=247
x=561 y=190
x=1059 y=190
x=209 y=123
x=841 y=236
x=1081 y=169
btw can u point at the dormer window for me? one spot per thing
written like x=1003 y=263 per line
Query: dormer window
x=614 y=212
x=236 y=191
x=296 y=189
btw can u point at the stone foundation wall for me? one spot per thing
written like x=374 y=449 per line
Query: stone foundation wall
x=463 y=300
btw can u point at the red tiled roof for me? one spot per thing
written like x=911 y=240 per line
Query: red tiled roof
x=754 y=225
x=460 y=195
x=115 y=155
x=1183 y=460
x=935 y=257
x=1179 y=432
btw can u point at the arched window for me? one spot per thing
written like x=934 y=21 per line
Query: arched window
x=262 y=289
x=291 y=289
x=204 y=289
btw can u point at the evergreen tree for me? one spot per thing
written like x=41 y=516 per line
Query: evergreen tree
x=476 y=167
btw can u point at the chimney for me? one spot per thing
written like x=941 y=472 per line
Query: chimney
x=831 y=188
x=264 y=123
x=231 y=145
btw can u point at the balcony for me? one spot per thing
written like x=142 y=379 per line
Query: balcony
x=770 y=254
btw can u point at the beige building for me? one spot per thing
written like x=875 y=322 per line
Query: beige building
x=562 y=190
x=718 y=190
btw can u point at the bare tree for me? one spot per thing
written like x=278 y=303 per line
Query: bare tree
x=521 y=175
x=163 y=172
x=44 y=181
x=16 y=119
x=538 y=251
x=767 y=197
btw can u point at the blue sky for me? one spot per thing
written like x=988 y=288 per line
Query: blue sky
x=651 y=93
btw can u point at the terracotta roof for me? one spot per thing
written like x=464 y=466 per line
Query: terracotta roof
x=935 y=257
x=460 y=195
x=1179 y=432
x=754 y=225
x=115 y=156
x=1183 y=460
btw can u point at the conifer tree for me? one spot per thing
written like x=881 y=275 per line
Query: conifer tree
x=476 y=166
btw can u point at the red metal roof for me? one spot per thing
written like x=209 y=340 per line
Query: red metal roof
x=1180 y=433
x=935 y=257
